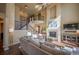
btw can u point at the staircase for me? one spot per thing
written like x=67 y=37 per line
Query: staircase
x=18 y=25
x=21 y=25
x=27 y=25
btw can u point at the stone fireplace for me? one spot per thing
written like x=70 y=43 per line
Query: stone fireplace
x=53 y=34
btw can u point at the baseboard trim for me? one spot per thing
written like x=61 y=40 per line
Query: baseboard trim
x=14 y=43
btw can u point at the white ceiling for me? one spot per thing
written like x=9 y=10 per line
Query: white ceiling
x=31 y=7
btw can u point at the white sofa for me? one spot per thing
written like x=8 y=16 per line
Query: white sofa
x=27 y=47
x=30 y=47
x=53 y=49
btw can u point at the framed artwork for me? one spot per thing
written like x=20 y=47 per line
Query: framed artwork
x=54 y=24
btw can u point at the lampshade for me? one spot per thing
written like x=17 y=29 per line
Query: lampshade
x=11 y=30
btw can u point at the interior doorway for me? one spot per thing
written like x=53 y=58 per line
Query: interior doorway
x=1 y=34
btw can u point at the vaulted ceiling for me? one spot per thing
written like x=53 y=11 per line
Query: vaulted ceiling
x=30 y=7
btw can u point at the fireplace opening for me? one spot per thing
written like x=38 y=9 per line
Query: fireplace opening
x=52 y=34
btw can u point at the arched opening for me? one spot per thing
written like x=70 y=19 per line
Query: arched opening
x=1 y=34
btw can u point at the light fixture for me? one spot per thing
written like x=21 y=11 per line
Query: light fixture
x=26 y=6
x=11 y=30
x=37 y=6
x=40 y=8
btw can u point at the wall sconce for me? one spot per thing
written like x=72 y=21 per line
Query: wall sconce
x=11 y=30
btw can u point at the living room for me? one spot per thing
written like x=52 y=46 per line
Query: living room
x=48 y=26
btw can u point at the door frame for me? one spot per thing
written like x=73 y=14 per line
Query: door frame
x=2 y=29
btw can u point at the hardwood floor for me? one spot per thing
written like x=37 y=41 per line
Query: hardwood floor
x=14 y=50
x=1 y=47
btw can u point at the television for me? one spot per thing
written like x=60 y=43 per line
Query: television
x=71 y=26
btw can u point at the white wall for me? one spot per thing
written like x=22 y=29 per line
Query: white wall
x=17 y=35
x=70 y=13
